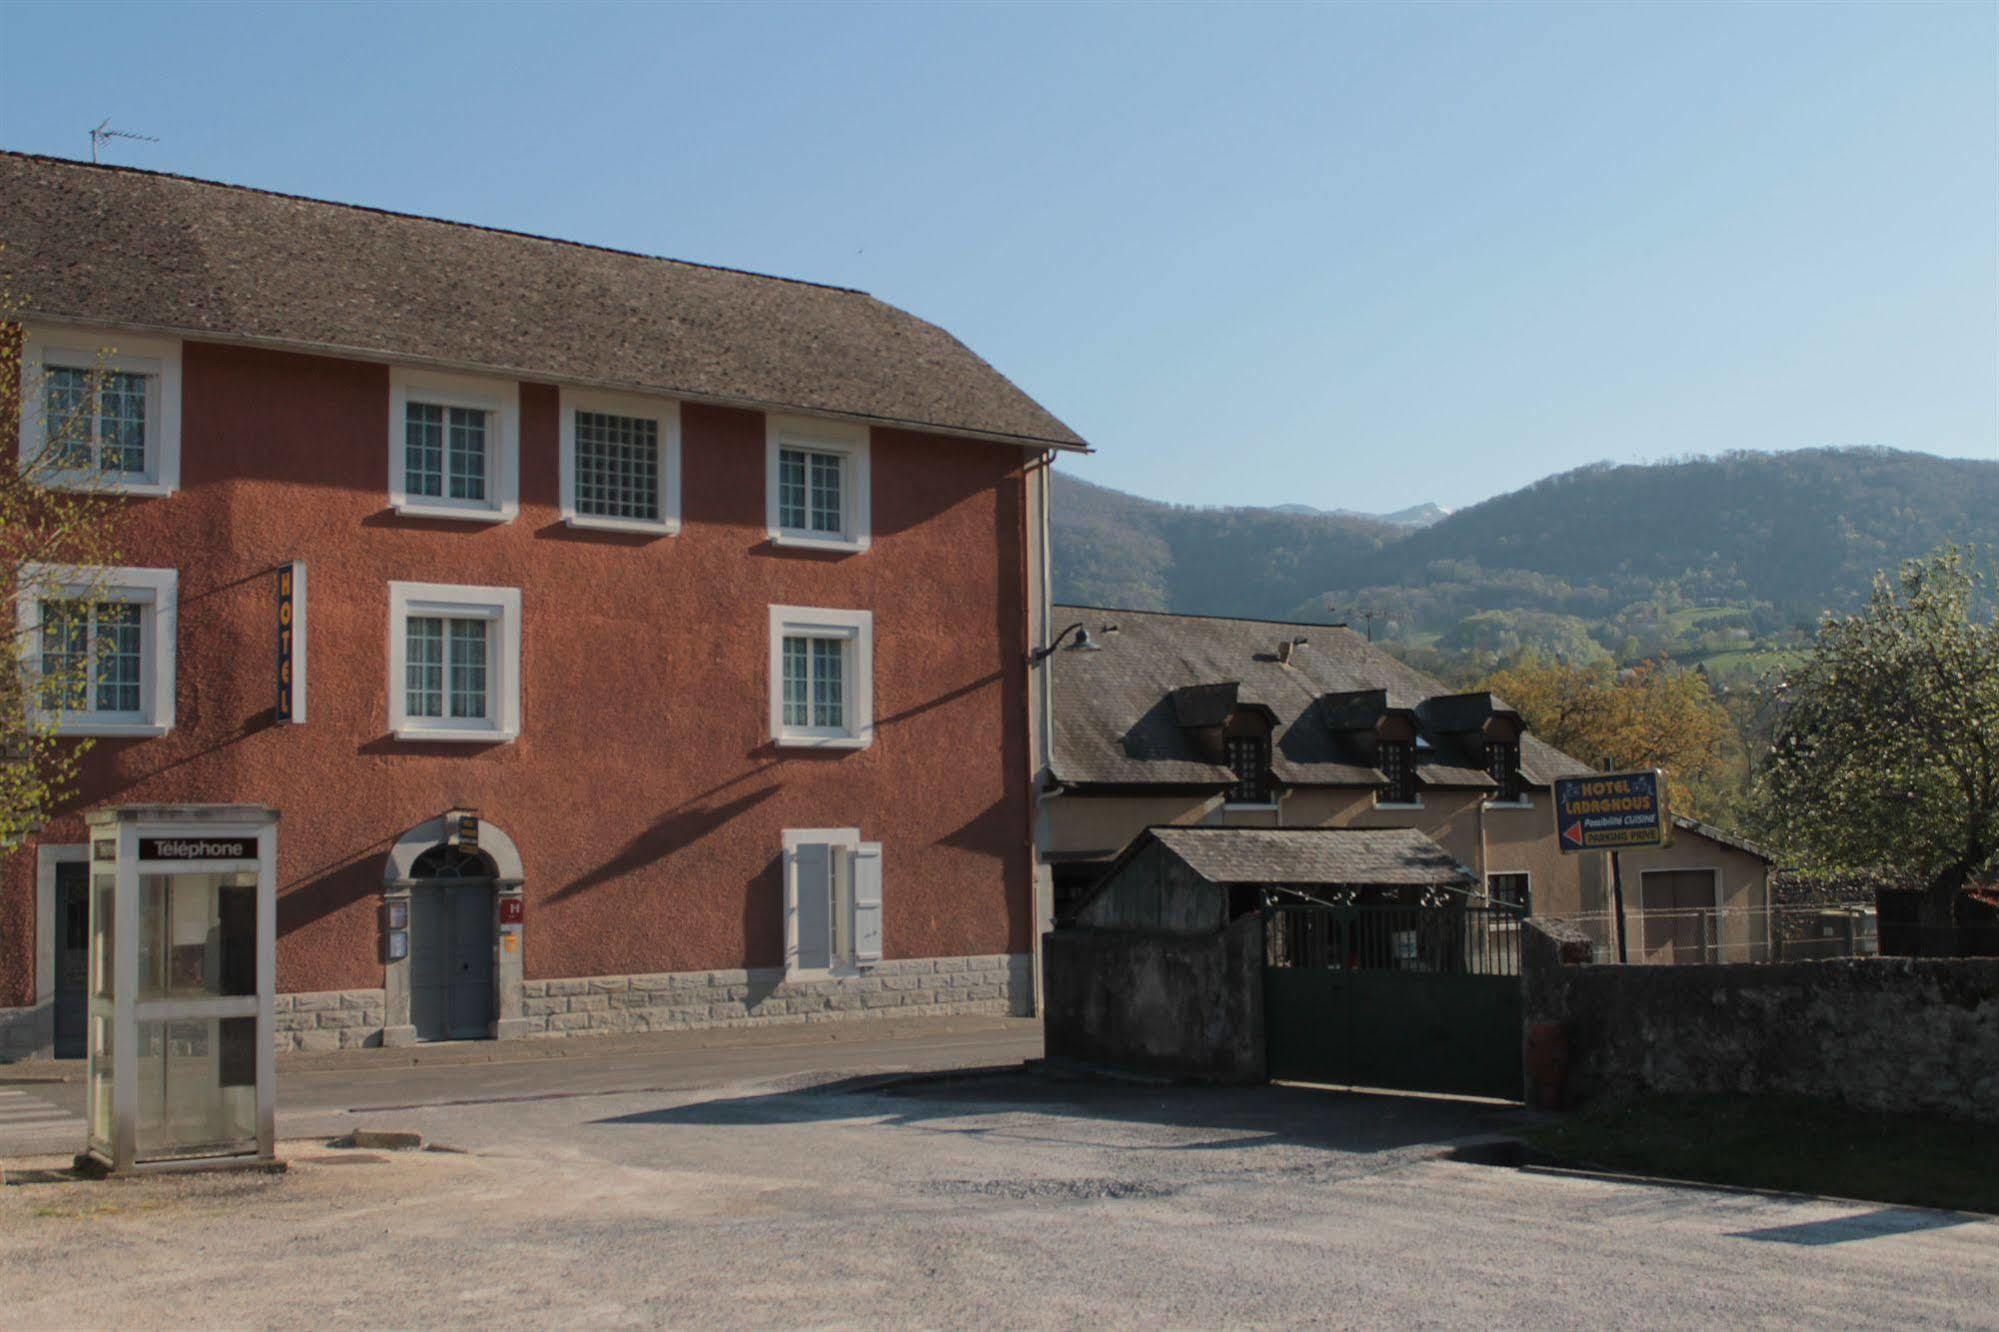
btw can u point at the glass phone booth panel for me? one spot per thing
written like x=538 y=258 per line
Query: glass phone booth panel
x=182 y=980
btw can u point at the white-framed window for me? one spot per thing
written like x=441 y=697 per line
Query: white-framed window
x=104 y=406
x=454 y=446
x=620 y=462
x=832 y=901
x=816 y=485
x=100 y=647
x=454 y=662
x=821 y=677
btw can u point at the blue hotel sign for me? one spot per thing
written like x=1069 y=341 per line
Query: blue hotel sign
x=1610 y=811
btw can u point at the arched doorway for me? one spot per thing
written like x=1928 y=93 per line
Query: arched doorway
x=451 y=944
x=452 y=913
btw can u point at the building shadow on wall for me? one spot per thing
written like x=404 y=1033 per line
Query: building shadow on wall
x=678 y=827
x=993 y=830
x=332 y=887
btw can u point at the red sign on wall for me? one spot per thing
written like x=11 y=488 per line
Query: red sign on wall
x=510 y=910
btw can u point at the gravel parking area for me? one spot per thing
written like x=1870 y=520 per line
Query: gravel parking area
x=980 y=1200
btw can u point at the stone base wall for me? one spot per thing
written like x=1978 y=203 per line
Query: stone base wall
x=761 y=997
x=329 y=1019
x=325 y=1020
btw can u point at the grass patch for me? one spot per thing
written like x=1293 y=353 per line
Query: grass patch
x=1786 y=1143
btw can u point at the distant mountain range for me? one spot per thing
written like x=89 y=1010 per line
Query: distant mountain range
x=1708 y=559
x=1416 y=515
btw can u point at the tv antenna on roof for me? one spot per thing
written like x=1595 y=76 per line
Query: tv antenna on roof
x=104 y=133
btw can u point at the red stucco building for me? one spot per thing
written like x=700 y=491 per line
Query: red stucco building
x=662 y=642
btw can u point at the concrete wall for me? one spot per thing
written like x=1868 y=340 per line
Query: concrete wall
x=1883 y=1034
x=644 y=793
x=1187 y=1006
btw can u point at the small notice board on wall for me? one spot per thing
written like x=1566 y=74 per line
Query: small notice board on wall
x=1611 y=811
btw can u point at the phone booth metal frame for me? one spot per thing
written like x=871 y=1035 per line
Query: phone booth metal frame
x=182 y=983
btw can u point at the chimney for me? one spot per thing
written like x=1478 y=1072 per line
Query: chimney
x=1284 y=650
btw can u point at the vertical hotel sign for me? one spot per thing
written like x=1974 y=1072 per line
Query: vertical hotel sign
x=291 y=641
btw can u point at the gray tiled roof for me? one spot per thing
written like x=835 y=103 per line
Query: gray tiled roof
x=1315 y=856
x=1115 y=719
x=138 y=249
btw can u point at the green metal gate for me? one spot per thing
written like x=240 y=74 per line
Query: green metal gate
x=1421 y=998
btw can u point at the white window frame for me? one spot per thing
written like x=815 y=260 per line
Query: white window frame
x=44 y=346
x=499 y=605
x=501 y=400
x=845 y=848
x=849 y=440
x=665 y=415
x=156 y=591
x=856 y=628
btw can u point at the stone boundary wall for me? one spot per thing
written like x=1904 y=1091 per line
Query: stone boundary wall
x=1894 y=1035
x=761 y=997
x=1186 y=1006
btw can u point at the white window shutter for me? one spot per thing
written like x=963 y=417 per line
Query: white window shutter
x=868 y=902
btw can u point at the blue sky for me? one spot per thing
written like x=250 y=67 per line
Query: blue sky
x=1348 y=256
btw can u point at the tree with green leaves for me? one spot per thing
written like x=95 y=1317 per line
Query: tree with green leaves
x=55 y=514
x=1886 y=750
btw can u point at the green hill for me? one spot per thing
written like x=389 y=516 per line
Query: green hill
x=1724 y=560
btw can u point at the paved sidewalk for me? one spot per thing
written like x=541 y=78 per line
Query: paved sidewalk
x=320 y=1095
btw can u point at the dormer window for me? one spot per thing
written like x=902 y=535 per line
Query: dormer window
x=1249 y=760
x=1398 y=765
x=1502 y=762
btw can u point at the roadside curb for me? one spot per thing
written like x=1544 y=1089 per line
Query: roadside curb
x=443 y=1054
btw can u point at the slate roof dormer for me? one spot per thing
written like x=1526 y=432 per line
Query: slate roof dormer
x=1123 y=714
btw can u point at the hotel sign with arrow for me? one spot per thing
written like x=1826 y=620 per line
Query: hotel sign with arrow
x=1611 y=811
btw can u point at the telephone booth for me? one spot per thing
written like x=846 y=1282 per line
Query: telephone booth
x=182 y=974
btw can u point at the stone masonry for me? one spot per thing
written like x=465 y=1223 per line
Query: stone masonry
x=1888 y=1034
x=329 y=1019
x=347 y=1019
x=762 y=997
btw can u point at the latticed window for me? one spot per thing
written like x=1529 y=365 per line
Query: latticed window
x=92 y=656
x=1502 y=761
x=96 y=418
x=617 y=466
x=1514 y=890
x=1249 y=759
x=1398 y=765
x=444 y=451
x=815 y=682
x=809 y=485
x=445 y=666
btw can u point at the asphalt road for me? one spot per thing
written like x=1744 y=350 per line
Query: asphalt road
x=826 y=1197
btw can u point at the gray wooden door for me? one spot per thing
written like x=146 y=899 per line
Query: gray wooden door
x=1677 y=904
x=72 y=930
x=469 y=1003
x=451 y=960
